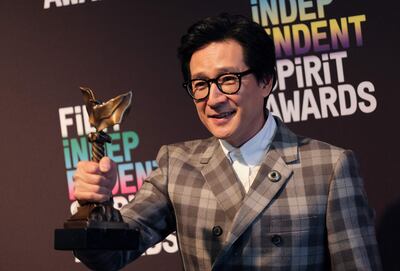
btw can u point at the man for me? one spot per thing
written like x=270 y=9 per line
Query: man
x=254 y=196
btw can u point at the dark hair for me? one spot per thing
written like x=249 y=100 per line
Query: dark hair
x=258 y=48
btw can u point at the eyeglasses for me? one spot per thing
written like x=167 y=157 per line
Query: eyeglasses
x=227 y=83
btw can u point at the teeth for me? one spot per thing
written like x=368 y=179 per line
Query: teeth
x=223 y=115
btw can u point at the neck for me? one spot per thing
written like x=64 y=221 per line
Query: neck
x=238 y=144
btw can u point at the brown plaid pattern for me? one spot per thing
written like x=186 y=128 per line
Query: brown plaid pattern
x=315 y=217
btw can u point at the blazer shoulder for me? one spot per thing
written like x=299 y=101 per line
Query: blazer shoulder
x=309 y=147
x=192 y=149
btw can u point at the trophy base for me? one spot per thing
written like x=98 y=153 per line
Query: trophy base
x=90 y=224
x=96 y=238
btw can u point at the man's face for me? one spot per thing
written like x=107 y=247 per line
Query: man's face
x=236 y=117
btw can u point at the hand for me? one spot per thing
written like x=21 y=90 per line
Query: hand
x=94 y=181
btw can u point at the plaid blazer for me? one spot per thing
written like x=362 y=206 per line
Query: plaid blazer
x=306 y=210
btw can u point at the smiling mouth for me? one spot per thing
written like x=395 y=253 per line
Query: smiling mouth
x=222 y=115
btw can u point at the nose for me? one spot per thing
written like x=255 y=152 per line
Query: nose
x=215 y=97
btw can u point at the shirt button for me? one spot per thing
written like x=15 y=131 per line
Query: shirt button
x=276 y=240
x=217 y=230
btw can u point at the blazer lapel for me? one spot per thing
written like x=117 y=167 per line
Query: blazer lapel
x=283 y=151
x=222 y=180
x=261 y=193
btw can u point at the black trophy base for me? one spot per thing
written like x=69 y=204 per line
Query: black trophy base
x=96 y=238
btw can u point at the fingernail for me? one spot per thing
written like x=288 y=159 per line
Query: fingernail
x=105 y=166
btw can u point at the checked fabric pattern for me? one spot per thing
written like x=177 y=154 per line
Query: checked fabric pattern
x=314 y=217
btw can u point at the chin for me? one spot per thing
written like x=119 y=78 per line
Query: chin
x=220 y=132
x=221 y=135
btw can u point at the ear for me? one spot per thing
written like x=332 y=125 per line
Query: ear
x=266 y=85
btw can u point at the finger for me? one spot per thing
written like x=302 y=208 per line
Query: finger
x=109 y=170
x=93 y=179
x=88 y=167
x=86 y=187
x=85 y=191
x=105 y=164
x=89 y=196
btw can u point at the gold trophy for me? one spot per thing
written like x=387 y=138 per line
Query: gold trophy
x=99 y=225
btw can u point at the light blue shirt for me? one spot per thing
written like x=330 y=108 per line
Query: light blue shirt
x=247 y=159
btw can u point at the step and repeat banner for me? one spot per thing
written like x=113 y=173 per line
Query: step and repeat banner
x=337 y=81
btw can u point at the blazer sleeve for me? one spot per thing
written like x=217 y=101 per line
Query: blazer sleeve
x=150 y=211
x=349 y=219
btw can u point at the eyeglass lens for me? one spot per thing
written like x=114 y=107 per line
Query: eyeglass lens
x=227 y=83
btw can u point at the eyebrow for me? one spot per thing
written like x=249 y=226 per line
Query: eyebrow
x=223 y=70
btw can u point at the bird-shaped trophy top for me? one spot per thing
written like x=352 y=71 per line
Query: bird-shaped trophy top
x=103 y=115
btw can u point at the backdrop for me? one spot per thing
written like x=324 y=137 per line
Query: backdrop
x=338 y=78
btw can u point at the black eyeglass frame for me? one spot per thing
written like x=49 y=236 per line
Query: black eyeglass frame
x=187 y=84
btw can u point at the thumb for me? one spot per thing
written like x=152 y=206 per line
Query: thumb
x=105 y=164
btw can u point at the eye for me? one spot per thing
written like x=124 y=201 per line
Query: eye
x=199 y=85
x=228 y=79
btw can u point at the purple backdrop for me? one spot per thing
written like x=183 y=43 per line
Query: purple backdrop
x=338 y=83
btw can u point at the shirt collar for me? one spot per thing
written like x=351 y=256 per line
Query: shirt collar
x=255 y=148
